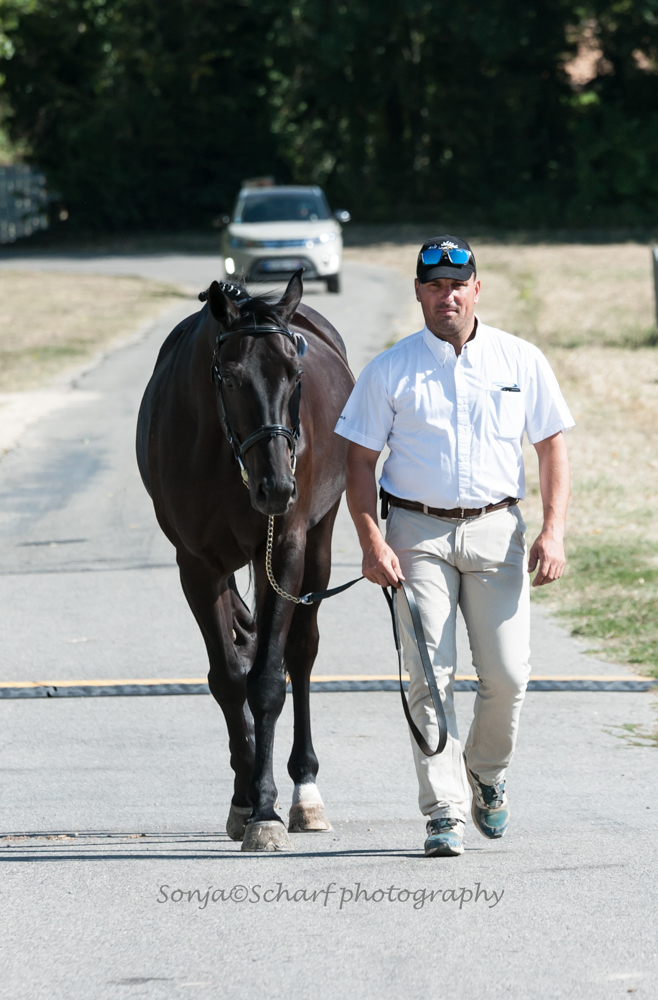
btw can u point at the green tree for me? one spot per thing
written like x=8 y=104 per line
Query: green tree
x=405 y=107
x=150 y=112
x=142 y=112
x=614 y=121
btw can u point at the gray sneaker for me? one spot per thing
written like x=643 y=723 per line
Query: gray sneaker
x=489 y=809
x=445 y=838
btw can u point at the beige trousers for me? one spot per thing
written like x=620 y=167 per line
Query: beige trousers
x=480 y=565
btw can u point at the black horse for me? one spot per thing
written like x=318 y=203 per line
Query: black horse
x=225 y=408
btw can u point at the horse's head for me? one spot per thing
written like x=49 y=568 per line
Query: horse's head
x=257 y=373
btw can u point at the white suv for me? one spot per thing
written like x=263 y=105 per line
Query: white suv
x=276 y=230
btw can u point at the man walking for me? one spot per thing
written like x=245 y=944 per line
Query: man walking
x=452 y=403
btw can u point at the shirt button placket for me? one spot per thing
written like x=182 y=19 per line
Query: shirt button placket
x=463 y=434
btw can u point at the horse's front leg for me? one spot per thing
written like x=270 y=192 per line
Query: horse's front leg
x=220 y=615
x=266 y=693
x=307 y=812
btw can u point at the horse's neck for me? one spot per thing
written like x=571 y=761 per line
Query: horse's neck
x=201 y=392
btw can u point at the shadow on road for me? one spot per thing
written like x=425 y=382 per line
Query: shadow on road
x=158 y=847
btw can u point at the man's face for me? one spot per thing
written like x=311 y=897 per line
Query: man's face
x=449 y=305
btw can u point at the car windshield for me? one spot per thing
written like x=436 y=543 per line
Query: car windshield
x=287 y=207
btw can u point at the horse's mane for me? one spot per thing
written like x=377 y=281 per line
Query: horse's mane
x=260 y=306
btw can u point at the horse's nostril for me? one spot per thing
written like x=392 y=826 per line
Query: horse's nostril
x=274 y=496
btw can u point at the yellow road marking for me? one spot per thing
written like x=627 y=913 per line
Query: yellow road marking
x=322 y=678
x=104 y=683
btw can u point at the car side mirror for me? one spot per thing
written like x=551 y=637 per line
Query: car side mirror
x=221 y=221
x=342 y=215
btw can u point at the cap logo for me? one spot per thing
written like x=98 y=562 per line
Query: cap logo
x=446 y=245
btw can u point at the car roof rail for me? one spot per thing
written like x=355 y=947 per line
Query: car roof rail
x=259 y=182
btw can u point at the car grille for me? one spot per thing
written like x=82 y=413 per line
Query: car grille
x=276 y=268
x=277 y=244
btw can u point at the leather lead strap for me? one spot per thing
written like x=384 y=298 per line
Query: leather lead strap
x=320 y=595
x=419 y=635
x=391 y=600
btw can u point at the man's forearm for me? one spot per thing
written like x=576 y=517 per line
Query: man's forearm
x=554 y=483
x=362 y=496
x=547 y=551
x=380 y=563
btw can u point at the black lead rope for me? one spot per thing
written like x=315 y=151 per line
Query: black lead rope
x=320 y=595
x=419 y=634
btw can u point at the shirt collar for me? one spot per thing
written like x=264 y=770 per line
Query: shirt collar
x=472 y=350
x=442 y=350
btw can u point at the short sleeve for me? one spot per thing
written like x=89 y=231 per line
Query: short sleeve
x=546 y=410
x=368 y=415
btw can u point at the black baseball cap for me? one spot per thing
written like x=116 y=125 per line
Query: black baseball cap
x=439 y=247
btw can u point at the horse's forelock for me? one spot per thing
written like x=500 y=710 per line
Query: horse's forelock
x=261 y=307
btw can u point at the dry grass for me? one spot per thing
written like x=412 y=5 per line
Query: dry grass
x=590 y=309
x=49 y=322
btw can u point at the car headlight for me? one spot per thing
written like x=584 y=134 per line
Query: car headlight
x=322 y=238
x=238 y=241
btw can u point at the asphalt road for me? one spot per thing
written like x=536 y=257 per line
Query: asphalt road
x=122 y=801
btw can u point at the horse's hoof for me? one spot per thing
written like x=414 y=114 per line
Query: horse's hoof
x=237 y=821
x=266 y=835
x=308 y=817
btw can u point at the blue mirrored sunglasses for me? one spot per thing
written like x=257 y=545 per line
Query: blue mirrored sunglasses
x=435 y=254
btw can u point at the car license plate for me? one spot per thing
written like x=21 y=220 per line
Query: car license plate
x=281 y=264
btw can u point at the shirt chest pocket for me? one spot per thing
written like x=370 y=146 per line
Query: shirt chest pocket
x=506 y=413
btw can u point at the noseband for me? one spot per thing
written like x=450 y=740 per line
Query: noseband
x=269 y=430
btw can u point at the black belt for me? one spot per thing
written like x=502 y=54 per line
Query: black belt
x=458 y=513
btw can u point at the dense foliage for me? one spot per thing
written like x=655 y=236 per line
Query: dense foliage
x=150 y=112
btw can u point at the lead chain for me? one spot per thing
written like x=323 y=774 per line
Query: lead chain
x=268 y=566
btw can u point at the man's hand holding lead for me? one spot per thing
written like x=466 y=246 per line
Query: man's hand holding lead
x=381 y=565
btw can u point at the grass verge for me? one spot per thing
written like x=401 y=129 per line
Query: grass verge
x=591 y=310
x=49 y=322
x=612 y=597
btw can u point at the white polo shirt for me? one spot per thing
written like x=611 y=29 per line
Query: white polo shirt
x=454 y=425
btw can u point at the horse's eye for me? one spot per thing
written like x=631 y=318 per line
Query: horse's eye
x=227 y=382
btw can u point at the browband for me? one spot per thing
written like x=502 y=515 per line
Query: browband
x=300 y=342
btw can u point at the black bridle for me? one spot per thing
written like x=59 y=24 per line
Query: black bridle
x=269 y=430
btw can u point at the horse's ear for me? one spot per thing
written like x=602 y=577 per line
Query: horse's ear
x=287 y=306
x=225 y=310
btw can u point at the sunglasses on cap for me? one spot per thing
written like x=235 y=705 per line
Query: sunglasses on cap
x=434 y=255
